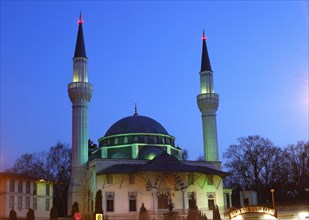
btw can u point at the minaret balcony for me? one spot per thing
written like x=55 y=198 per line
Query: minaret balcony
x=80 y=92
x=208 y=102
x=210 y=96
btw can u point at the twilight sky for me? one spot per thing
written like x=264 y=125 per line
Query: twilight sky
x=149 y=53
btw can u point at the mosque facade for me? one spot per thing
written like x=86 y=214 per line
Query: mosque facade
x=137 y=162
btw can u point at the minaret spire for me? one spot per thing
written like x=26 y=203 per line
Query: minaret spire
x=208 y=102
x=80 y=50
x=205 y=64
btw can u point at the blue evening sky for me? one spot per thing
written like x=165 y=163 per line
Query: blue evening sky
x=149 y=53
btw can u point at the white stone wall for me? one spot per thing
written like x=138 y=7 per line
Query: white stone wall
x=121 y=188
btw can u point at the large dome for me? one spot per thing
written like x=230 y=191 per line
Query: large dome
x=136 y=137
x=136 y=124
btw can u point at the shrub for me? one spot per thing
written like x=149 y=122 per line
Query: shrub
x=75 y=209
x=12 y=215
x=30 y=215
x=53 y=215
x=98 y=203
x=195 y=214
x=143 y=215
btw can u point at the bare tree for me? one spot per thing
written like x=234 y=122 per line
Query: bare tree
x=298 y=158
x=54 y=166
x=59 y=163
x=33 y=165
x=255 y=164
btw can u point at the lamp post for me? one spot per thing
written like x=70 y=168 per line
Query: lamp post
x=272 y=197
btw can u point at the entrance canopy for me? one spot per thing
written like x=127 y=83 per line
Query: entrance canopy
x=161 y=163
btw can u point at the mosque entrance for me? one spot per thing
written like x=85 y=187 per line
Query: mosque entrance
x=163 y=198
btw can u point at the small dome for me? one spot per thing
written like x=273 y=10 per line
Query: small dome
x=136 y=124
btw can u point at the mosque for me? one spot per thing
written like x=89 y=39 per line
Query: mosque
x=137 y=161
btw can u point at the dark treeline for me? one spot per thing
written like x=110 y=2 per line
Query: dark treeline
x=255 y=163
x=54 y=166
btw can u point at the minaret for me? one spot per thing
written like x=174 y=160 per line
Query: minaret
x=208 y=102
x=80 y=92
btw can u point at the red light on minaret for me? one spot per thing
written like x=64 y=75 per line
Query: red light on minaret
x=80 y=20
x=204 y=36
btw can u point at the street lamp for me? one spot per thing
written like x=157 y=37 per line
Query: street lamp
x=272 y=197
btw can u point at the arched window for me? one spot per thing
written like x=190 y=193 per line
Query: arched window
x=125 y=140
x=116 y=141
x=110 y=202
x=132 y=202
x=191 y=200
x=211 y=201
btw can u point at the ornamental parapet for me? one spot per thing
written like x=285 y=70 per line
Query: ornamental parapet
x=210 y=96
x=208 y=102
x=80 y=92
x=80 y=84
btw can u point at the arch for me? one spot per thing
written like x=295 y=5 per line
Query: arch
x=120 y=155
x=110 y=196
x=149 y=152
x=211 y=197
x=177 y=177
x=132 y=201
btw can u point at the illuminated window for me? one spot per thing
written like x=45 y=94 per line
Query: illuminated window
x=110 y=202
x=125 y=140
x=20 y=186
x=11 y=201
x=12 y=185
x=116 y=141
x=132 y=202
